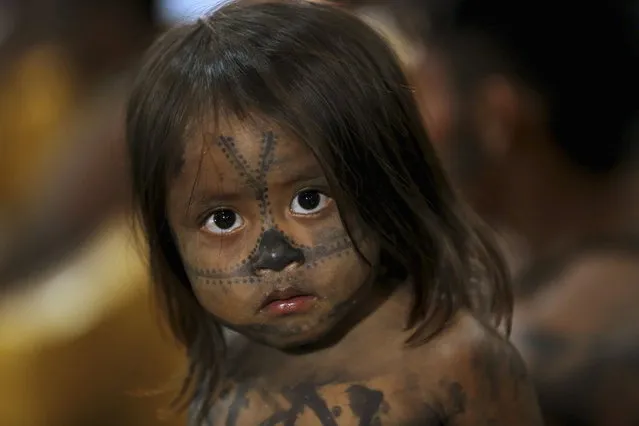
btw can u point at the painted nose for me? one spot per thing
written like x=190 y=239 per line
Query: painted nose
x=275 y=252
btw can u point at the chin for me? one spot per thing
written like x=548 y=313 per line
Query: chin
x=288 y=334
x=301 y=341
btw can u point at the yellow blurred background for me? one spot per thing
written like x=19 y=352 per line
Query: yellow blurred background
x=80 y=341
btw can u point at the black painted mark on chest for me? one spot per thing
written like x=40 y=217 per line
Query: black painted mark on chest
x=337 y=411
x=239 y=403
x=457 y=398
x=302 y=396
x=453 y=404
x=365 y=403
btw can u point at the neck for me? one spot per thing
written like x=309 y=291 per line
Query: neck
x=390 y=315
x=383 y=312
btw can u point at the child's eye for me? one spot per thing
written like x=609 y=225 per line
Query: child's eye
x=223 y=221
x=308 y=202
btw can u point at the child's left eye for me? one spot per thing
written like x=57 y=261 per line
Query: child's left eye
x=308 y=202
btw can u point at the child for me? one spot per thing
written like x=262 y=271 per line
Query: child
x=289 y=192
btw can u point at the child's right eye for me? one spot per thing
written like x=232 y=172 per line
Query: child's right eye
x=223 y=221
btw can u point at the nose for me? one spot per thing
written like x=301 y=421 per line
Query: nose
x=275 y=252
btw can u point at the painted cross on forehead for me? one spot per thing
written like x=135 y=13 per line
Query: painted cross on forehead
x=274 y=249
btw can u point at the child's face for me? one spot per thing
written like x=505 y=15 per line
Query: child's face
x=261 y=239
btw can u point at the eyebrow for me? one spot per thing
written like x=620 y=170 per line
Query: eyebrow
x=311 y=174
x=207 y=198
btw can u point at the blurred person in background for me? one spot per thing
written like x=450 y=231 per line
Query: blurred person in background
x=534 y=107
x=60 y=114
x=79 y=342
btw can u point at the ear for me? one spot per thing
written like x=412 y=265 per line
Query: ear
x=498 y=115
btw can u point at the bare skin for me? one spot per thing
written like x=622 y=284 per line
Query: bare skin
x=479 y=379
x=241 y=213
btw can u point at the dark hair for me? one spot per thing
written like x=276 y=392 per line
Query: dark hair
x=582 y=58
x=330 y=81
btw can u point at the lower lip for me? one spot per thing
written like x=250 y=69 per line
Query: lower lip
x=294 y=305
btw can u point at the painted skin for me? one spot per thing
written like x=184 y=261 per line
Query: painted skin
x=254 y=219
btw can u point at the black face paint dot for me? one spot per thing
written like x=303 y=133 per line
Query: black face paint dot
x=224 y=219
x=337 y=411
x=309 y=200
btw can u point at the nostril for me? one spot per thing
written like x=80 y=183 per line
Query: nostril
x=277 y=261
x=276 y=253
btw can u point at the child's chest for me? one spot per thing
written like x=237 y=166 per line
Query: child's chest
x=377 y=401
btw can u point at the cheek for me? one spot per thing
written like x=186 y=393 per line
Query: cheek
x=221 y=276
x=210 y=256
x=339 y=276
x=229 y=289
x=231 y=303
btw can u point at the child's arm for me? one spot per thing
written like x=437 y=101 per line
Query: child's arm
x=500 y=393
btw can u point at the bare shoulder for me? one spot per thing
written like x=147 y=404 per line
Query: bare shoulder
x=475 y=376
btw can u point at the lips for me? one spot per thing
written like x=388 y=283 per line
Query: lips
x=287 y=301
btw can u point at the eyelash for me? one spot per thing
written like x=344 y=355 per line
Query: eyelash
x=206 y=214
x=319 y=188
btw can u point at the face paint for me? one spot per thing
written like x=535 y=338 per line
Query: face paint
x=275 y=252
x=254 y=222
